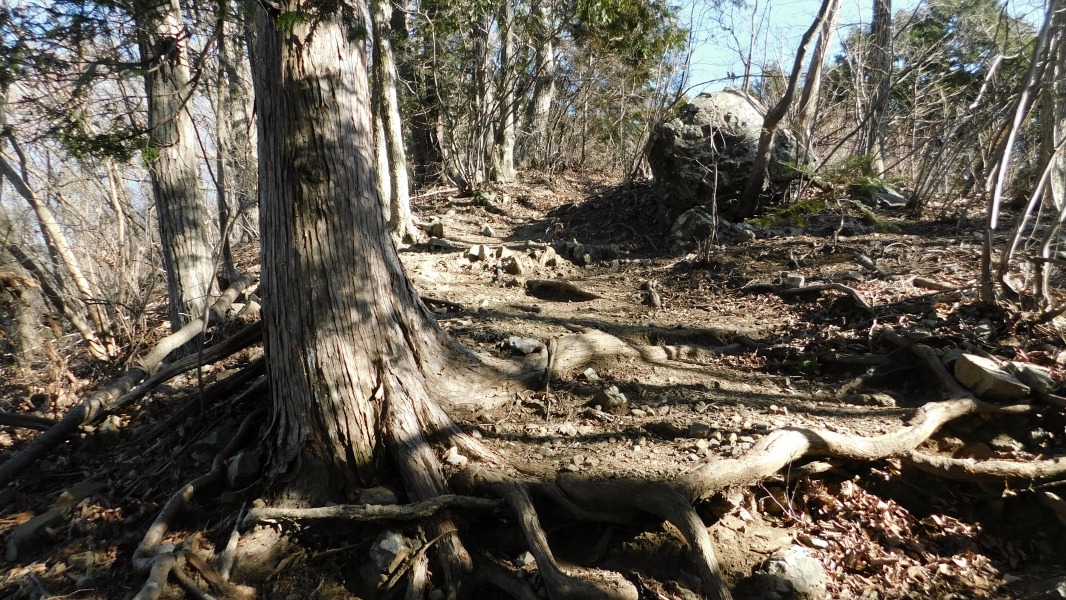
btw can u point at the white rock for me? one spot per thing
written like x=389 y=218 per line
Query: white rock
x=985 y=379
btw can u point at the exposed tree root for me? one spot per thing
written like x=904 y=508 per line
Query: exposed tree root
x=784 y=292
x=968 y=469
x=96 y=405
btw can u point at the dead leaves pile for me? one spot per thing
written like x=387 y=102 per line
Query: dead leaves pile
x=869 y=543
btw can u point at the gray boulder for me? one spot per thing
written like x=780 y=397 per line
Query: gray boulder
x=705 y=154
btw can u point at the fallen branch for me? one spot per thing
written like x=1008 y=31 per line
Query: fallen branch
x=368 y=512
x=784 y=292
x=97 y=404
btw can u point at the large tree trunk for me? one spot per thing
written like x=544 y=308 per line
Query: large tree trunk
x=172 y=162
x=351 y=351
x=347 y=337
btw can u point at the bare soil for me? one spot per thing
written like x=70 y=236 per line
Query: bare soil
x=753 y=363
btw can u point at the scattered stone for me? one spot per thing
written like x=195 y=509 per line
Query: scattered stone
x=638 y=412
x=525 y=560
x=452 y=457
x=523 y=346
x=502 y=252
x=699 y=430
x=590 y=375
x=791 y=573
x=513 y=265
x=242 y=468
x=478 y=252
x=389 y=550
x=1035 y=377
x=984 y=378
x=1005 y=443
x=549 y=258
x=568 y=429
x=611 y=399
x=487 y=231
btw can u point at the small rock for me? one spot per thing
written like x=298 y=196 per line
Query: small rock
x=985 y=379
x=523 y=345
x=1005 y=443
x=568 y=429
x=242 y=468
x=571 y=468
x=452 y=457
x=478 y=252
x=502 y=252
x=525 y=560
x=795 y=572
x=637 y=412
x=590 y=374
x=549 y=258
x=487 y=231
x=984 y=330
x=699 y=430
x=513 y=265
x=1035 y=377
x=611 y=399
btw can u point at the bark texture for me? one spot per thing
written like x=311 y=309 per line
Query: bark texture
x=346 y=336
x=173 y=164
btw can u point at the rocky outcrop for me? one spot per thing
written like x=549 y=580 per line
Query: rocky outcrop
x=705 y=153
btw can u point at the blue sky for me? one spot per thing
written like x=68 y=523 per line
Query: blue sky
x=780 y=24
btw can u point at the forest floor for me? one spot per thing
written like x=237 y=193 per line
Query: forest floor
x=755 y=360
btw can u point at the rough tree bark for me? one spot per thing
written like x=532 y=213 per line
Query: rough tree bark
x=172 y=163
x=351 y=351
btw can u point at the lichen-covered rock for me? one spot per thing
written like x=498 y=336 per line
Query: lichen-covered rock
x=705 y=154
